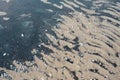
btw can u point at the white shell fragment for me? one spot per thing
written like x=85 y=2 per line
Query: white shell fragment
x=2 y=13
x=6 y=18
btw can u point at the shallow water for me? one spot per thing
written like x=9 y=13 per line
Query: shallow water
x=24 y=24
x=59 y=39
x=23 y=27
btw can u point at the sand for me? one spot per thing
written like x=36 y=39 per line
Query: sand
x=87 y=48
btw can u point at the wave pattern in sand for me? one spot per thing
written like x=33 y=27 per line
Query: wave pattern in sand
x=87 y=46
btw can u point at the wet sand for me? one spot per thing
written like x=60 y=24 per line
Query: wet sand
x=87 y=48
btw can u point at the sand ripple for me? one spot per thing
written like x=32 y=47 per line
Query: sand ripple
x=87 y=46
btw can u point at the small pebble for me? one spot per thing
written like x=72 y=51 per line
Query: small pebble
x=22 y=35
x=4 y=54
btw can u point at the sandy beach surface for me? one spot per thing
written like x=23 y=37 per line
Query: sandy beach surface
x=87 y=46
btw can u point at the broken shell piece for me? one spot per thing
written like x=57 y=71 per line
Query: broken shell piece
x=92 y=60
x=2 y=13
x=81 y=44
x=6 y=18
x=34 y=51
x=7 y=1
